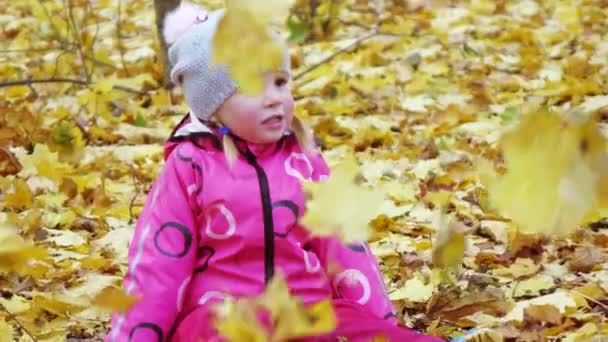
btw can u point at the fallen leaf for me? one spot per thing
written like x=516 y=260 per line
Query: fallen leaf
x=489 y=301
x=414 y=290
x=585 y=258
x=535 y=314
x=522 y=267
x=115 y=300
x=6 y=331
x=533 y=286
x=560 y=299
x=9 y=165
x=15 y=253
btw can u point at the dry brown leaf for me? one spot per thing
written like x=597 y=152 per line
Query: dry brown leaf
x=535 y=314
x=9 y=165
x=585 y=258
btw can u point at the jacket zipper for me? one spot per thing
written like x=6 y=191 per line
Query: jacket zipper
x=267 y=211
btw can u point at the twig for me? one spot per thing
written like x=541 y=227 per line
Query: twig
x=119 y=40
x=76 y=37
x=12 y=317
x=65 y=80
x=335 y=54
x=137 y=191
x=29 y=50
x=591 y=299
x=380 y=33
x=372 y=33
x=94 y=39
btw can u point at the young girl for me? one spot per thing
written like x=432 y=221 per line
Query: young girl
x=223 y=216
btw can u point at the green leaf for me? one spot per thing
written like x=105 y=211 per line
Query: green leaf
x=509 y=115
x=298 y=31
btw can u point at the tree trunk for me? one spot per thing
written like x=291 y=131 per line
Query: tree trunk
x=162 y=7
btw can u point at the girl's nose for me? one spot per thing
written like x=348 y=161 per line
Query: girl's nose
x=272 y=97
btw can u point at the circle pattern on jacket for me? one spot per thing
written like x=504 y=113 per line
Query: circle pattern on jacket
x=204 y=255
x=351 y=284
x=146 y=331
x=173 y=240
x=212 y=295
x=285 y=216
x=181 y=291
x=184 y=155
x=216 y=227
x=194 y=188
x=357 y=247
x=389 y=315
x=297 y=165
x=311 y=267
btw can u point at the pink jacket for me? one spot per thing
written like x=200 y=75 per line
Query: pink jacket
x=207 y=232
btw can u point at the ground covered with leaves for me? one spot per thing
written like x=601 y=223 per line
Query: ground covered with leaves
x=421 y=92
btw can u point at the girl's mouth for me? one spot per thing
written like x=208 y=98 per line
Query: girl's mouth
x=274 y=121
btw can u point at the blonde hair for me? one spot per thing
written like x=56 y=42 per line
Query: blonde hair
x=301 y=131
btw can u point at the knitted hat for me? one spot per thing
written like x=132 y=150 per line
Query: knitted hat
x=189 y=30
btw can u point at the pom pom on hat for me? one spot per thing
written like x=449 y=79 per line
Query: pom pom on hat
x=180 y=20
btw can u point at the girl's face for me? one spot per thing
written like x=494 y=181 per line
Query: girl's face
x=260 y=119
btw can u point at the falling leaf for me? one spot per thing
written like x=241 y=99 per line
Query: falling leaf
x=341 y=207
x=290 y=317
x=240 y=323
x=549 y=185
x=248 y=23
x=67 y=140
x=449 y=245
x=115 y=300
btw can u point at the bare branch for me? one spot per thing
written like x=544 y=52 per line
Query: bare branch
x=76 y=37
x=137 y=192
x=12 y=317
x=65 y=80
x=374 y=31
x=121 y=48
x=327 y=59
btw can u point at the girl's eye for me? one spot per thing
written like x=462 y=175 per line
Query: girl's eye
x=279 y=82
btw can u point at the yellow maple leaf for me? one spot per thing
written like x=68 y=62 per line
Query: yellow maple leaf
x=292 y=319
x=551 y=177
x=340 y=206
x=248 y=22
x=238 y=322
x=15 y=253
x=115 y=300
x=44 y=163
x=22 y=196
